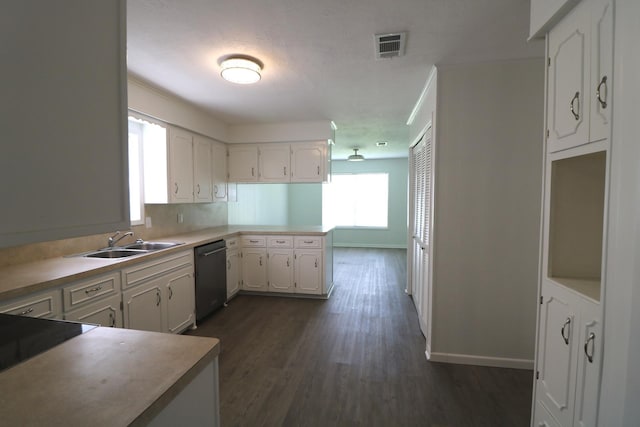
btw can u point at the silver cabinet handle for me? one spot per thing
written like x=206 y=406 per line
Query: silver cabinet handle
x=253 y=241
x=285 y=171
x=280 y=241
x=591 y=340
x=112 y=320
x=215 y=190
x=260 y=260
x=602 y=84
x=198 y=185
x=96 y=289
x=308 y=241
x=575 y=111
x=316 y=262
x=176 y=190
x=27 y=311
x=318 y=170
x=158 y=297
x=287 y=262
x=170 y=292
x=564 y=327
x=252 y=172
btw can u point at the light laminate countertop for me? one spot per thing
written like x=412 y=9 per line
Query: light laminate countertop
x=105 y=377
x=23 y=279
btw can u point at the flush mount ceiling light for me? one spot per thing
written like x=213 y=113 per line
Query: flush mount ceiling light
x=355 y=157
x=241 y=69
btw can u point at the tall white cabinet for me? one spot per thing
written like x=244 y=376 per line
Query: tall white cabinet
x=572 y=280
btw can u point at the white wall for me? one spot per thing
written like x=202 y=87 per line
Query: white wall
x=488 y=178
x=620 y=393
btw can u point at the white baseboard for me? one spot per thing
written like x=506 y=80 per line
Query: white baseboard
x=466 y=359
x=369 y=245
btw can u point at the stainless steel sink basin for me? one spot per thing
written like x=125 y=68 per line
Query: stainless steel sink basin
x=151 y=246
x=114 y=253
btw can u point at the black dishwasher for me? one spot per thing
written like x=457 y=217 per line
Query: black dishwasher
x=211 y=277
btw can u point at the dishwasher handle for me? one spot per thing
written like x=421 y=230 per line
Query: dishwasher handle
x=212 y=252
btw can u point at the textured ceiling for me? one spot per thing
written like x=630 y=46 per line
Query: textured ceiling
x=319 y=57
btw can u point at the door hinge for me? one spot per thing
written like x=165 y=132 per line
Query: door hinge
x=537 y=375
x=121 y=306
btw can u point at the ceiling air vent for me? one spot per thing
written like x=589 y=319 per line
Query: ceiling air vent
x=390 y=45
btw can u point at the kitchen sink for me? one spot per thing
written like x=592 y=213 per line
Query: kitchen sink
x=151 y=246
x=114 y=253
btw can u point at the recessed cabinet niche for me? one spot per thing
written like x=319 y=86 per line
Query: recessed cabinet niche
x=576 y=222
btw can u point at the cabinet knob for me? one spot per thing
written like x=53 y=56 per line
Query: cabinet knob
x=566 y=327
x=599 y=91
x=575 y=110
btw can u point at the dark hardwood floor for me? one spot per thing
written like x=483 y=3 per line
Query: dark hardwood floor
x=356 y=359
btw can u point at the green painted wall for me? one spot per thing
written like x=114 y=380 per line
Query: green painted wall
x=260 y=204
x=395 y=236
x=305 y=204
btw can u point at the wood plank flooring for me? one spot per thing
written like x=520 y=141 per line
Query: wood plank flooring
x=356 y=359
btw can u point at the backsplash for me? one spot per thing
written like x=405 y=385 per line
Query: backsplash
x=164 y=223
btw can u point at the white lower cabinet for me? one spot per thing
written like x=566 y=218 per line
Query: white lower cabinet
x=254 y=269
x=542 y=417
x=233 y=273
x=569 y=357
x=46 y=305
x=105 y=312
x=159 y=295
x=280 y=270
x=308 y=271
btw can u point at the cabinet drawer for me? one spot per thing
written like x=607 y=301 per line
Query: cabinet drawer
x=105 y=312
x=280 y=242
x=88 y=290
x=45 y=304
x=308 y=241
x=231 y=243
x=254 y=241
x=148 y=270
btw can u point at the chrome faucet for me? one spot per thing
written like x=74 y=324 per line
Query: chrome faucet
x=111 y=241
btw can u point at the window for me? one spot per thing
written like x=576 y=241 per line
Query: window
x=136 y=199
x=356 y=200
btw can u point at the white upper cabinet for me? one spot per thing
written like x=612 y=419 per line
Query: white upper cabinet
x=309 y=162
x=219 y=173
x=242 y=163
x=601 y=68
x=568 y=105
x=180 y=166
x=545 y=13
x=273 y=163
x=177 y=167
x=202 y=170
x=580 y=73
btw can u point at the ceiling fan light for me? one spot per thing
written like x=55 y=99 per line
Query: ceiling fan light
x=240 y=70
x=355 y=157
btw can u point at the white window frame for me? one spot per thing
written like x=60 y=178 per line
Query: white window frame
x=137 y=127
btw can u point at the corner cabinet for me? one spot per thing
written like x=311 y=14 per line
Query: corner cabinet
x=570 y=338
x=159 y=295
x=233 y=268
x=310 y=162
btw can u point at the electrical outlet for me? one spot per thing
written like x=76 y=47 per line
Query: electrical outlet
x=147 y=222
x=180 y=218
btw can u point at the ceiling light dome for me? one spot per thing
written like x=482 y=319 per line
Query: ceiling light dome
x=355 y=157
x=241 y=70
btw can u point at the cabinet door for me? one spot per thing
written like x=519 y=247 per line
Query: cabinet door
x=233 y=273
x=180 y=301
x=242 y=163
x=143 y=307
x=202 y=179
x=180 y=166
x=219 y=165
x=568 y=81
x=308 y=272
x=274 y=163
x=589 y=365
x=280 y=270
x=308 y=162
x=557 y=353
x=601 y=69
x=105 y=312
x=542 y=417
x=254 y=269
